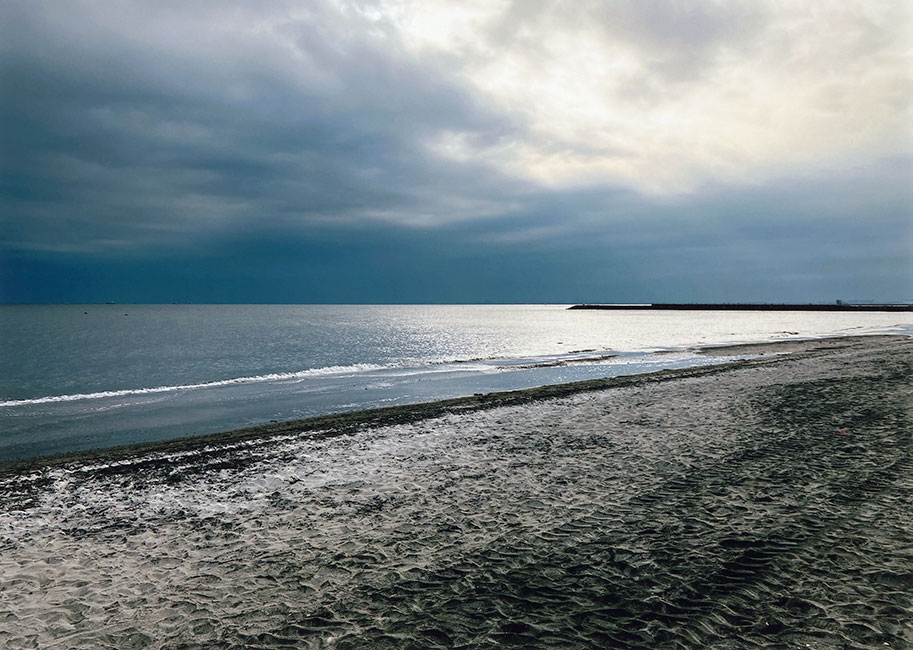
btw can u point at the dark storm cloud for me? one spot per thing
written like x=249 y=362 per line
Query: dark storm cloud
x=112 y=143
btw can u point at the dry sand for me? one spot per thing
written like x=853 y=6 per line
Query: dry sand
x=722 y=508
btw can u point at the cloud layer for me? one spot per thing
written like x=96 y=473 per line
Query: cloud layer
x=483 y=130
x=667 y=97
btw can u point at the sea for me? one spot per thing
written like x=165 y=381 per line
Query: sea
x=83 y=377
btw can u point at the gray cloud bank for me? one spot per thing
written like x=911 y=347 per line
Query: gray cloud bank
x=346 y=151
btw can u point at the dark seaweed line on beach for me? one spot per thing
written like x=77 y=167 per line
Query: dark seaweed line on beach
x=149 y=455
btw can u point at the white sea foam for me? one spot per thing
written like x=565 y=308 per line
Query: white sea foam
x=277 y=376
x=435 y=366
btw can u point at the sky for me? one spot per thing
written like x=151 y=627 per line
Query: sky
x=433 y=151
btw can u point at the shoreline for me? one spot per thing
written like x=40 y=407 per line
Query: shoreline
x=755 y=504
x=336 y=424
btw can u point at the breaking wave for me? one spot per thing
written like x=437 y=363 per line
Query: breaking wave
x=411 y=366
x=276 y=376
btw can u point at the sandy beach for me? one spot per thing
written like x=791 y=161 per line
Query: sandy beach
x=762 y=503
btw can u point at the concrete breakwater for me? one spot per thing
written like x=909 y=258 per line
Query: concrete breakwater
x=750 y=307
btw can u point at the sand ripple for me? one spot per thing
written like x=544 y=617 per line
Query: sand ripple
x=724 y=511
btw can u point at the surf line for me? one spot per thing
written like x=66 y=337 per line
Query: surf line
x=277 y=376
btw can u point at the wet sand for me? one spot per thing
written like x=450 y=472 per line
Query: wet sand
x=719 y=507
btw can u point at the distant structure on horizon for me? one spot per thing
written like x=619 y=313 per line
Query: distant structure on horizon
x=838 y=305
